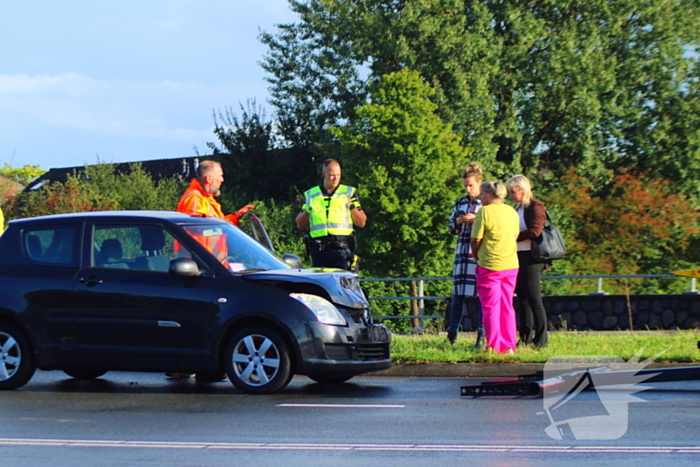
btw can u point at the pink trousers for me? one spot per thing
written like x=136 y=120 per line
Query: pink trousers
x=495 y=290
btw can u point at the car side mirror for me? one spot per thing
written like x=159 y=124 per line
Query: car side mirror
x=183 y=267
x=292 y=260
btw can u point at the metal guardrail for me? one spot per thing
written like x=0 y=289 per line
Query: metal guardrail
x=421 y=283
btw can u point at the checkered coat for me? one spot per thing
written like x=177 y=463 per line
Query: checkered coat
x=464 y=269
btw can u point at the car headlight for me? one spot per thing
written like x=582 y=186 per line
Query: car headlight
x=324 y=310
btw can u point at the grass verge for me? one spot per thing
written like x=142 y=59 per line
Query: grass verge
x=670 y=346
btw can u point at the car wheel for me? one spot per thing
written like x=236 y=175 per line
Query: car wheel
x=257 y=360
x=330 y=379
x=16 y=365
x=84 y=373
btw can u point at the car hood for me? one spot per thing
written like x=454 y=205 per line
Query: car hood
x=342 y=286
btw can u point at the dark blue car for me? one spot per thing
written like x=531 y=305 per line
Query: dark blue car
x=162 y=291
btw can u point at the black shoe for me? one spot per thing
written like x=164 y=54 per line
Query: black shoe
x=452 y=337
x=480 y=341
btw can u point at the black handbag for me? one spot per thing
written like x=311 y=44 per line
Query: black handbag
x=550 y=244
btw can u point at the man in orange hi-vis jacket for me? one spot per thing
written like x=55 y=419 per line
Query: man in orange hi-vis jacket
x=198 y=200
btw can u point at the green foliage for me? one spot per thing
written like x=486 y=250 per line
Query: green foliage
x=388 y=307
x=254 y=166
x=23 y=175
x=315 y=79
x=99 y=189
x=15 y=178
x=403 y=156
x=528 y=86
x=55 y=198
x=434 y=288
x=634 y=224
x=259 y=172
x=278 y=219
x=135 y=190
x=533 y=88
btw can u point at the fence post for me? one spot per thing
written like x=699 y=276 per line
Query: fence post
x=600 y=288
x=415 y=311
x=421 y=304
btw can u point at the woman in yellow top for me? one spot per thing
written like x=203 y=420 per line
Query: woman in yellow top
x=494 y=234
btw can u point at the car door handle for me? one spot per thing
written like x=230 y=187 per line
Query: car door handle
x=90 y=281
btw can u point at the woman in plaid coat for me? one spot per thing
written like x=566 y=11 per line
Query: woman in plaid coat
x=464 y=270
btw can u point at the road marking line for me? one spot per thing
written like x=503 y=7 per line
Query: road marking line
x=59 y=420
x=349 y=447
x=346 y=406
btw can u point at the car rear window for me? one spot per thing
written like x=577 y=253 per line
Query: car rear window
x=51 y=246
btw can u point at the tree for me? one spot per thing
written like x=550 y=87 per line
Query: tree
x=403 y=157
x=254 y=165
x=14 y=179
x=99 y=188
x=665 y=142
x=636 y=224
x=23 y=175
x=315 y=81
x=56 y=198
x=528 y=86
x=134 y=190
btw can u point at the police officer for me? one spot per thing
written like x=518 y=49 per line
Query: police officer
x=329 y=212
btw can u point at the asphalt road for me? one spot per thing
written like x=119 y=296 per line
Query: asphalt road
x=140 y=419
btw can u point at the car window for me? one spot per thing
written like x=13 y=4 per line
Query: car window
x=233 y=248
x=51 y=246
x=140 y=247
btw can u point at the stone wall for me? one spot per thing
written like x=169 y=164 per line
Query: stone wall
x=611 y=312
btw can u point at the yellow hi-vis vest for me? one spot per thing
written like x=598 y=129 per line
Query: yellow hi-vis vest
x=336 y=220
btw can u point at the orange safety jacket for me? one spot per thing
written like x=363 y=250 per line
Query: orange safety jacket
x=196 y=202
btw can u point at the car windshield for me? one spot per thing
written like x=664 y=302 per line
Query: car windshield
x=234 y=248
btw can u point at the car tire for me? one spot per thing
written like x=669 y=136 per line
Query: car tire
x=16 y=363
x=331 y=379
x=84 y=373
x=257 y=360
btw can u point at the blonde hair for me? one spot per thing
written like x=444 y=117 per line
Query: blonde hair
x=473 y=170
x=495 y=188
x=521 y=183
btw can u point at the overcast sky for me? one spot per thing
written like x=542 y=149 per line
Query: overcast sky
x=128 y=80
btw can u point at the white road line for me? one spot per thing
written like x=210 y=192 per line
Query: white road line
x=59 y=420
x=345 y=406
x=98 y=443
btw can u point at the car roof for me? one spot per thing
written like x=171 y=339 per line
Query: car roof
x=172 y=216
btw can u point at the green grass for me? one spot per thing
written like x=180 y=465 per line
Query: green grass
x=674 y=347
